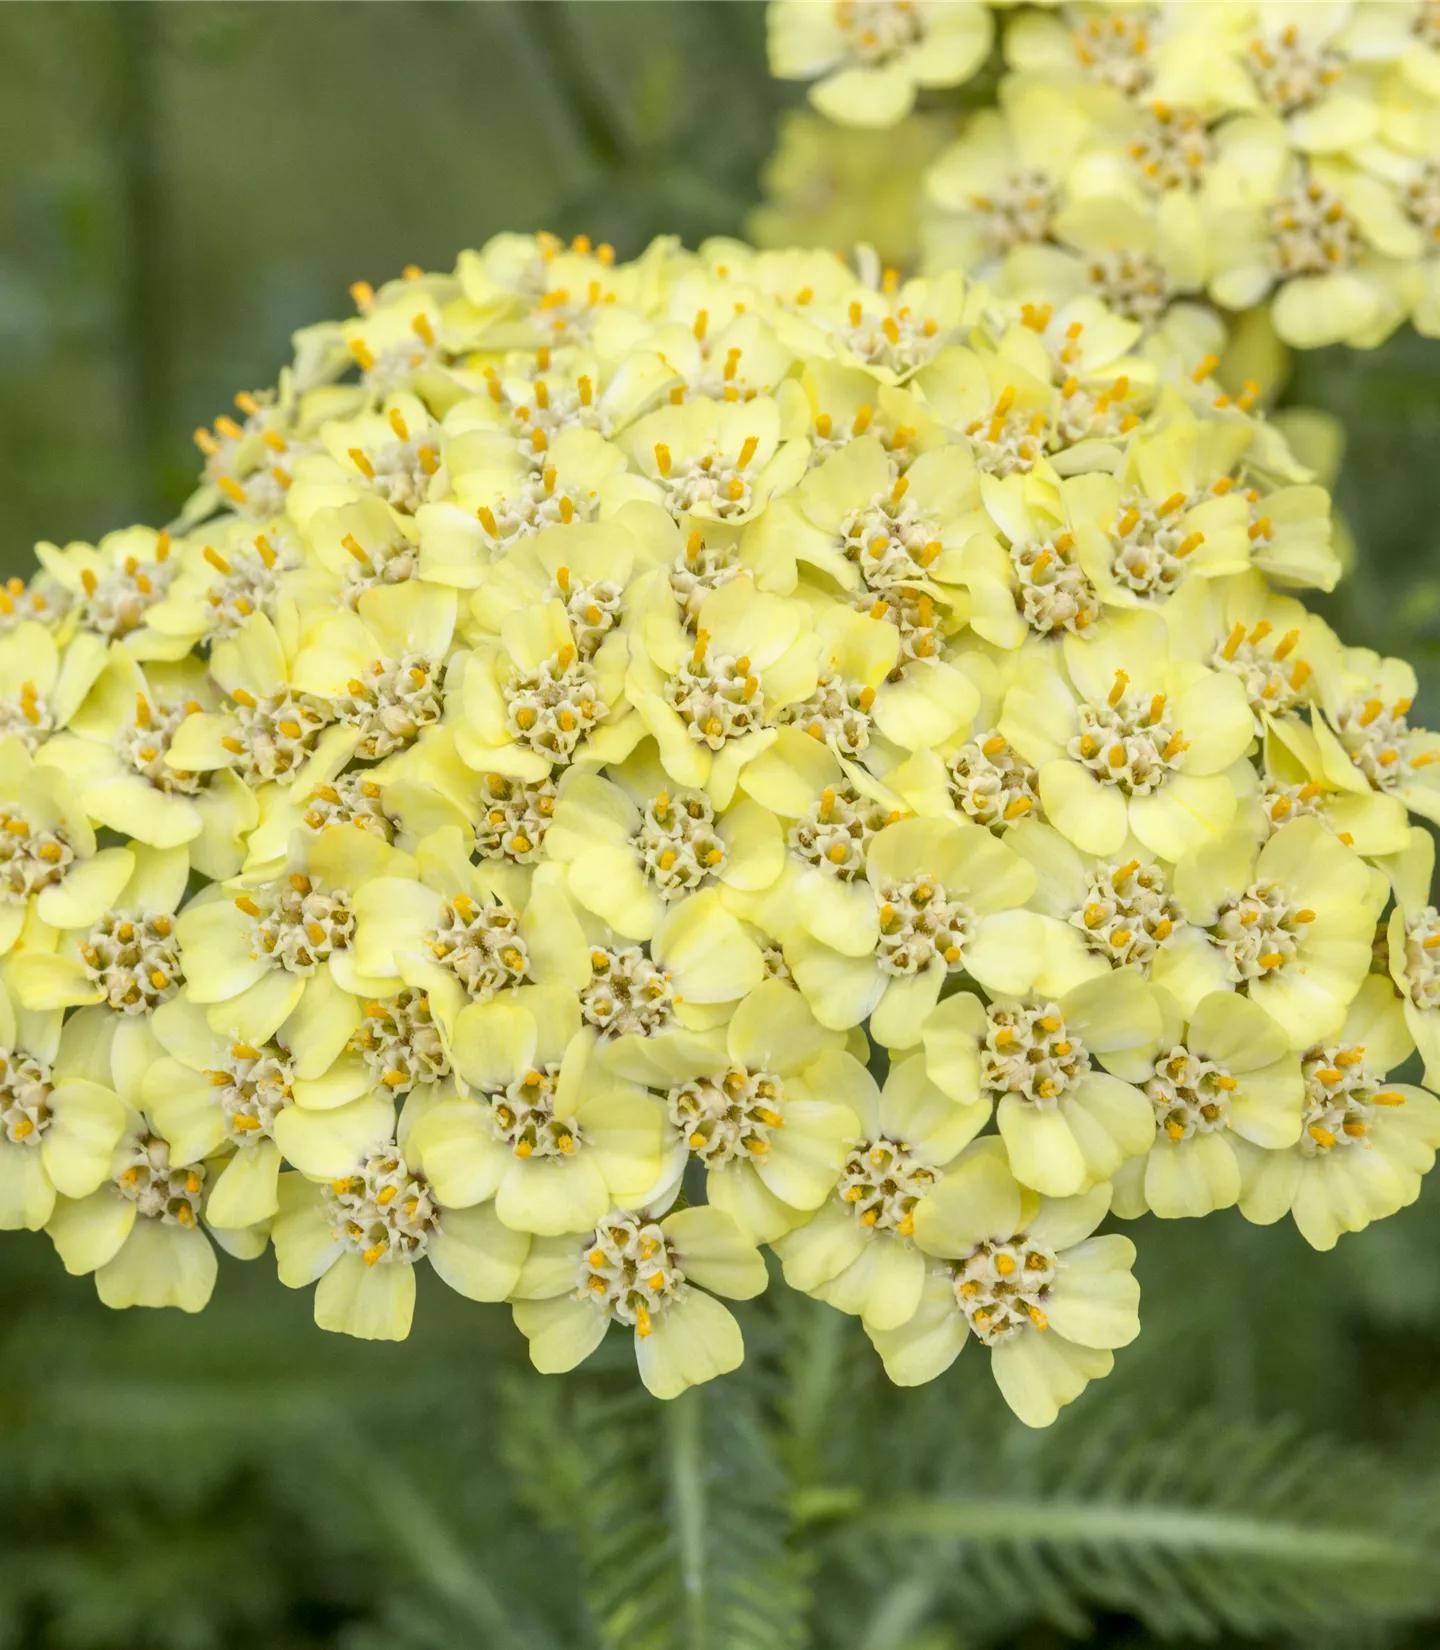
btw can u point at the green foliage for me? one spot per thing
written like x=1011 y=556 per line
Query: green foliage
x=175 y=1484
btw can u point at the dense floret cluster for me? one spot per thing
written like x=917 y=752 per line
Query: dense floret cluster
x=618 y=766
x=1162 y=155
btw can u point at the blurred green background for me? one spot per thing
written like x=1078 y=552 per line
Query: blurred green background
x=180 y=187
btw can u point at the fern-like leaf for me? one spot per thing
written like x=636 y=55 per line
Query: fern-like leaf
x=677 y=1515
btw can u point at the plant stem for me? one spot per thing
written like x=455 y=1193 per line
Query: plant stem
x=1171 y=1529
x=418 y=1529
x=684 y=1420
x=813 y=1386
x=146 y=299
x=553 y=29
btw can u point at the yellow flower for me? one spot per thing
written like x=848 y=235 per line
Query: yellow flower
x=42 y=684
x=763 y=1110
x=276 y=955
x=1098 y=913
x=1329 y=239
x=1129 y=738
x=1227 y=1078
x=1365 y=1143
x=60 y=1125
x=214 y=1097
x=50 y=870
x=266 y=730
x=393 y=454
x=228 y=572
x=1122 y=51
x=589 y=568
x=530 y=701
x=1138 y=261
x=889 y=329
x=128 y=958
x=873 y=55
x=1170 y=515
x=507 y=488
x=249 y=467
x=858 y=1251
x=1413 y=946
x=543 y=1129
x=634 y=845
x=113 y=585
x=1367 y=704
x=657 y=1277
x=1291 y=925
x=362 y=546
x=981 y=778
x=381 y=669
x=841 y=186
x=1297 y=783
x=464 y=933
x=707 y=703
x=996 y=405
x=1021 y=566
x=996 y=186
x=360 y=1234
x=140 y=1232
x=1066 y=1125
x=1295 y=64
x=116 y=756
x=711 y=461
x=1281 y=654
x=1026 y=1276
x=938 y=899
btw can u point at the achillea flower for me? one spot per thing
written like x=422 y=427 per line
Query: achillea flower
x=764 y=1110
x=543 y=1129
x=659 y=1278
x=1413 y=946
x=1026 y=1276
x=140 y=1232
x=1290 y=925
x=60 y=1126
x=858 y=1252
x=359 y=1235
x=1364 y=1142
x=1226 y=1079
x=873 y=55
x=116 y=754
x=1128 y=737
x=1066 y=1125
x=51 y=870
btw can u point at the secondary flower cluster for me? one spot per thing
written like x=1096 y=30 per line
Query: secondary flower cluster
x=1158 y=154
x=618 y=766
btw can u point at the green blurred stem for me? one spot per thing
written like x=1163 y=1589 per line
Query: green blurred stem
x=418 y=1530
x=1139 y=1525
x=549 y=24
x=146 y=300
x=684 y=1420
x=814 y=1376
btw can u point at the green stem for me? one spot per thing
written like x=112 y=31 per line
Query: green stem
x=146 y=298
x=813 y=1387
x=552 y=27
x=417 y=1529
x=1172 y=1529
x=684 y=1420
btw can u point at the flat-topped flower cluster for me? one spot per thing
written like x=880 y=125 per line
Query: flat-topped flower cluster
x=1281 y=153
x=620 y=766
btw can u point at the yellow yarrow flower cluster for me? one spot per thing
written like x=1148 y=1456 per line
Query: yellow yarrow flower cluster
x=1171 y=154
x=620 y=766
